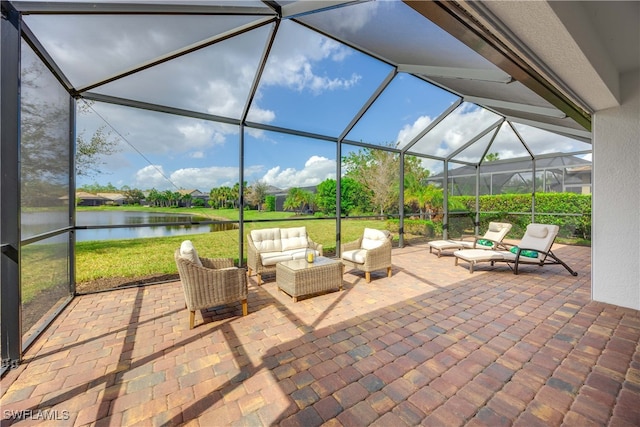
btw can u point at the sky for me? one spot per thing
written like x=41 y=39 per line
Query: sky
x=310 y=84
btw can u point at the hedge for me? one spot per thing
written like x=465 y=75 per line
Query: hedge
x=570 y=211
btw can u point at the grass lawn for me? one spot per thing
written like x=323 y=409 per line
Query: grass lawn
x=115 y=261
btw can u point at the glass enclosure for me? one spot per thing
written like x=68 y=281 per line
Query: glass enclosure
x=146 y=126
x=45 y=182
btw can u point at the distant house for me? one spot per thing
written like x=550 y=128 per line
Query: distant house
x=99 y=199
x=88 y=199
x=113 y=198
x=281 y=196
x=195 y=194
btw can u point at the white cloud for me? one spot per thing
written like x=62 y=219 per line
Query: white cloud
x=408 y=132
x=151 y=176
x=297 y=56
x=203 y=179
x=316 y=170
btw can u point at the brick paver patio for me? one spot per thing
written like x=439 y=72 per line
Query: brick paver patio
x=432 y=345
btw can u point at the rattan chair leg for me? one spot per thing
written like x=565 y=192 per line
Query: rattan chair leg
x=192 y=319
x=245 y=308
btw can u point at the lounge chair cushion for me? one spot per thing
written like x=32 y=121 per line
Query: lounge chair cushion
x=373 y=238
x=188 y=252
x=538 y=230
x=495 y=227
x=478 y=255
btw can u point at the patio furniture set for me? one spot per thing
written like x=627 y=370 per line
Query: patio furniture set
x=298 y=261
x=301 y=269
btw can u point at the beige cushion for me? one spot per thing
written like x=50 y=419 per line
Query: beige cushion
x=357 y=255
x=539 y=237
x=302 y=253
x=537 y=230
x=267 y=240
x=497 y=231
x=294 y=238
x=494 y=226
x=451 y=244
x=478 y=255
x=272 y=258
x=373 y=238
x=188 y=252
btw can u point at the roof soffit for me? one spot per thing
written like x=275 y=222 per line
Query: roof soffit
x=559 y=40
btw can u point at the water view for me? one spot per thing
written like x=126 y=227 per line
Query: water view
x=131 y=218
x=32 y=225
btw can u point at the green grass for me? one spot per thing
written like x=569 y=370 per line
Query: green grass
x=140 y=257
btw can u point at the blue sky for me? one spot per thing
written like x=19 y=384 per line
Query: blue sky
x=310 y=83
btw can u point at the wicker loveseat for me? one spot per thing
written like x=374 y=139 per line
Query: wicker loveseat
x=269 y=246
x=209 y=282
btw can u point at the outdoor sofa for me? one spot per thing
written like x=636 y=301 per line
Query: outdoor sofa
x=269 y=246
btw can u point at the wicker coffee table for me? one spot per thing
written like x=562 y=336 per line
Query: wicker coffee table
x=299 y=277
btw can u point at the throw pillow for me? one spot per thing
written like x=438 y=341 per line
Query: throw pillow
x=188 y=252
x=524 y=252
x=484 y=242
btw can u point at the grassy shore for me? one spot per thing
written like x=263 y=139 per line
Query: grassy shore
x=107 y=263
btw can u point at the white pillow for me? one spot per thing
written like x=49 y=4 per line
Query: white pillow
x=373 y=238
x=188 y=252
x=493 y=226
x=538 y=230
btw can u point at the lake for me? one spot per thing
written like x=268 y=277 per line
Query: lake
x=36 y=223
x=103 y=218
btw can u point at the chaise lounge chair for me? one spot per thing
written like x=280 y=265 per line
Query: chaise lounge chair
x=494 y=235
x=534 y=248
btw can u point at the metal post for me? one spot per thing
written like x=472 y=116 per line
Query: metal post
x=476 y=229
x=241 y=196
x=72 y=195
x=338 y=196
x=533 y=194
x=445 y=202
x=401 y=203
x=11 y=306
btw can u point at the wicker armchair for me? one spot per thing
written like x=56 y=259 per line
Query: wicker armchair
x=370 y=252
x=214 y=283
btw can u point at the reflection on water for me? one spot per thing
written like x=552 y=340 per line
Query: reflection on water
x=33 y=224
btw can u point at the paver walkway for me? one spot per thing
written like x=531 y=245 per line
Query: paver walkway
x=432 y=345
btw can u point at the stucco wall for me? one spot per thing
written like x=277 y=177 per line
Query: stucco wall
x=616 y=199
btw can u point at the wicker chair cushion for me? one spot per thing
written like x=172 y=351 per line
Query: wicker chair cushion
x=294 y=238
x=267 y=240
x=272 y=258
x=188 y=252
x=357 y=255
x=373 y=238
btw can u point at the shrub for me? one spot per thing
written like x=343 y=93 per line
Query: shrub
x=570 y=211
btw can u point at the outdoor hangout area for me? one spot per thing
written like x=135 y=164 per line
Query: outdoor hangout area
x=430 y=345
x=305 y=213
